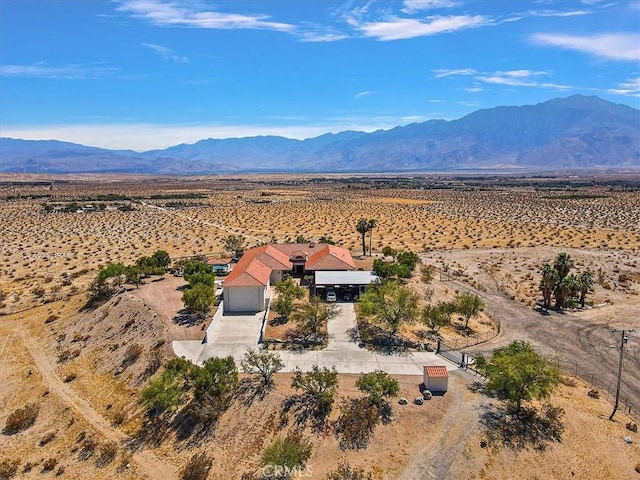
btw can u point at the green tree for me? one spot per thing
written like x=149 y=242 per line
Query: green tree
x=198 y=298
x=319 y=386
x=197 y=271
x=111 y=270
x=469 y=305
x=378 y=385
x=517 y=373
x=437 y=316
x=409 y=259
x=427 y=272
x=326 y=239
x=218 y=377
x=235 y=244
x=288 y=291
x=288 y=452
x=133 y=275
x=161 y=258
x=312 y=315
x=389 y=303
x=362 y=227
x=387 y=251
x=263 y=363
x=166 y=392
x=302 y=239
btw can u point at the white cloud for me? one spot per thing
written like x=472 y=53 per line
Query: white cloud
x=515 y=78
x=166 y=53
x=363 y=94
x=630 y=87
x=168 y=13
x=445 y=72
x=412 y=6
x=60 y=72
x=318 y=35
x=396 y=28
x=613 y=46
x=474 y=89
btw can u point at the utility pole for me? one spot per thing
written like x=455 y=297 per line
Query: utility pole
x=623 y=342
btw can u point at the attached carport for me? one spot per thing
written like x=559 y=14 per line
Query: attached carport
x=353 y=281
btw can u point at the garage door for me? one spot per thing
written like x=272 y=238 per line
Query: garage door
x=243 y=299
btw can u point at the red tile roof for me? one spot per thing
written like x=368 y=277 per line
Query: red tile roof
x=436 y=371
x=249 y=271
x=330 y=257
x=219 y=261
x=256 y=265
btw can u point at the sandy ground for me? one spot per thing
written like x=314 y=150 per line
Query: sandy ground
x=496 y=237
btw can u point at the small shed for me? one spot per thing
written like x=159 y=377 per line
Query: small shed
x=435 y=378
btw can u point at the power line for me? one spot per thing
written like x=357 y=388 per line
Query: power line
x=623 y=341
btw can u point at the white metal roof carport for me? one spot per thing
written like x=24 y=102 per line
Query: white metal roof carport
x=336 y=278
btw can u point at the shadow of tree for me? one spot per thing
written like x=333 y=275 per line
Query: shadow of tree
x=186 y=318
x=305 y=411
x=252 y=388
x=524 y=428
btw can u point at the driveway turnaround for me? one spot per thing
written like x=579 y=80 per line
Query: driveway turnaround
x=235 y=334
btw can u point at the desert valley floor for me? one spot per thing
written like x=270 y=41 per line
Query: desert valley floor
x=488 y=235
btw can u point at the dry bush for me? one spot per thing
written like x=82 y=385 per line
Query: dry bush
x=131 y=354
x=49 y=465
x=347 y=472
x=21 y=419
x=197 y=468
x=8 y=468
x=66 y=355
x=89 y=446
x=125 y=461
x=108 y=452
x=48 y=437
x=356 y=423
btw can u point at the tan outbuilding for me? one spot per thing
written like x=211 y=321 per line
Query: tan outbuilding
x=436 y=378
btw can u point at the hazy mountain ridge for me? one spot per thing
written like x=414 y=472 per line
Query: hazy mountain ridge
x=573 y=132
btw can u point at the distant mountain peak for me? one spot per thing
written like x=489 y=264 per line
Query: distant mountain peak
x=578 y=131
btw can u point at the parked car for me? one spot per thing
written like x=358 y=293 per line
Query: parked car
x=331 y=296
x=347 y=297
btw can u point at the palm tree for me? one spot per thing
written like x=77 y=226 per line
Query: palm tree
x=585 y=281
x=562 y=266
x=363 y=227
x=371 y=224
x=547 y=284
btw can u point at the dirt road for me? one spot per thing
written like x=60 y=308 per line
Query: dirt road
x=587 y=348
x=147 y=462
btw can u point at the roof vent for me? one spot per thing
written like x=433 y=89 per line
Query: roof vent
x=311 y=245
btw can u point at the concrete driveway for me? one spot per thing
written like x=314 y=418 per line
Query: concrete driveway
x=235 y=334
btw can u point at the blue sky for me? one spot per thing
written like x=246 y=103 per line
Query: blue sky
x=146 y=74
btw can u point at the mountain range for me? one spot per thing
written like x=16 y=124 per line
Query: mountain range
x=563 y=133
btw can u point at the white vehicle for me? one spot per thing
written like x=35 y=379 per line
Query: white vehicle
x=331 y=296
